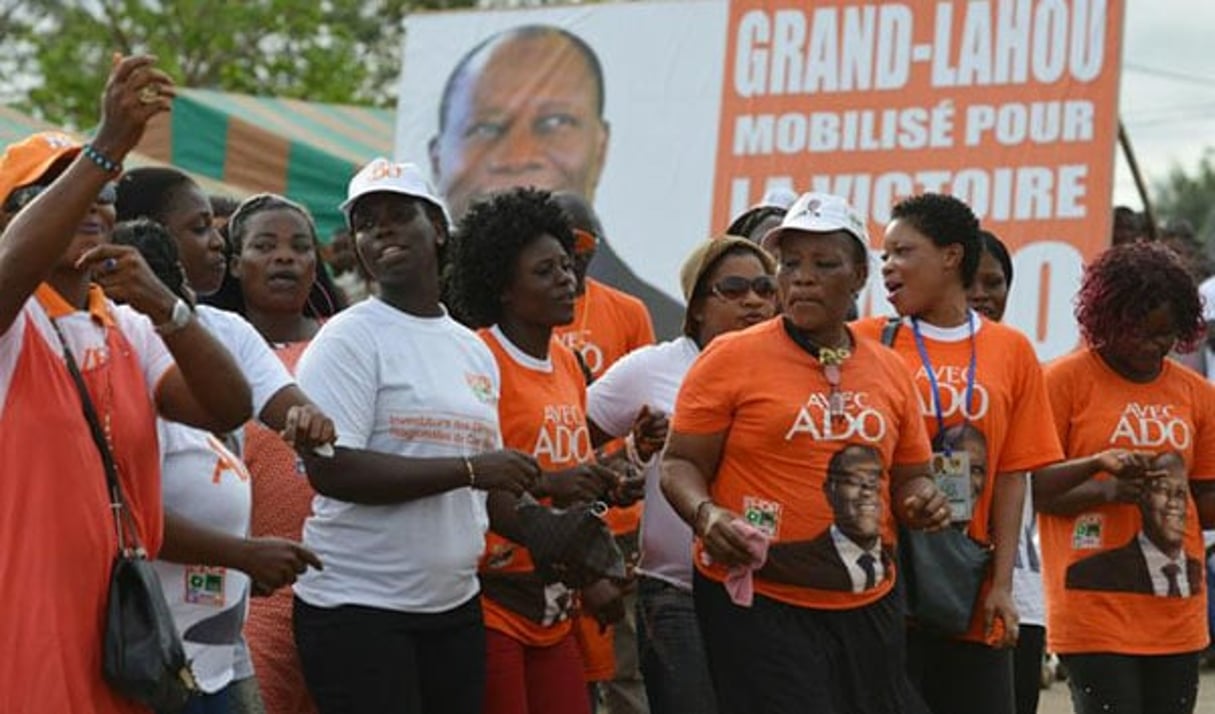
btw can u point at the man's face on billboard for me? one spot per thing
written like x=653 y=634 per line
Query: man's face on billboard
x=524 y=113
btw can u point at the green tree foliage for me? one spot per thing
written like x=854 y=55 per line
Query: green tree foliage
x=1190 y=196
x=345 y=51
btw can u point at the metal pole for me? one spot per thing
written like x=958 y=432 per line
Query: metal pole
x=1124 y=140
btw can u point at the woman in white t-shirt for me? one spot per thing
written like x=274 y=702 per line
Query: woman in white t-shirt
x=728 y=284
x=393 y=622
x=208 y=559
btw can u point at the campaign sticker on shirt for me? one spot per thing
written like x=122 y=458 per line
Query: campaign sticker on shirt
x=763 y=515
x=1087 y=532
x=481 y=385
x=205 y=585
x=951 y=471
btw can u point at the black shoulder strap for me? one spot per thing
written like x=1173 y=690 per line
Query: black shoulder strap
x=890 y=331
x=586 y=369
x=117 y=504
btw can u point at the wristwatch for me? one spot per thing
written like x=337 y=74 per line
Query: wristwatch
x=178 y=318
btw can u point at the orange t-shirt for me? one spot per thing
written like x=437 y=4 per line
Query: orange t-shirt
x=282 y=500
x=608 y=324
x=1107 y=589
x=770 y=399
x=56 y=527
x=1009 y=405
x=542 y=412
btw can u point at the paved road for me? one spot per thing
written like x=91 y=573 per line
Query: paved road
x=1056 y=700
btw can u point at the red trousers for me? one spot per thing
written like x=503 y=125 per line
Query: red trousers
x=520 y=679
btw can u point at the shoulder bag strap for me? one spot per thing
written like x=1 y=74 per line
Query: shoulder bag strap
x=890 y=331
x=117 y=503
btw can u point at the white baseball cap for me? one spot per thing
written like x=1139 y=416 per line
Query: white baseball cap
x=382 y=175
x=819 y=213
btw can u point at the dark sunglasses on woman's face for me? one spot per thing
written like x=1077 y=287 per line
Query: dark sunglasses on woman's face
x=735 y=287
x=21 y=197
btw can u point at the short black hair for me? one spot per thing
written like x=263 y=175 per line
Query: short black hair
x=946 y=221
x=750 y=219
x=148 y=192
x=989 y=243
x=158 y=249
x=487 y=244
x=522 y=32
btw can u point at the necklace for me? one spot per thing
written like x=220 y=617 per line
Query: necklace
x=831 y=359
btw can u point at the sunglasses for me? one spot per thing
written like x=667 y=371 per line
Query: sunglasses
x=736 y=287
x=584 y=241
x=20 y=198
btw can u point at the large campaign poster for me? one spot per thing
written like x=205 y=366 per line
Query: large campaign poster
x=673 y=117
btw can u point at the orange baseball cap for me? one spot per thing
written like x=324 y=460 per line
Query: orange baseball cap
x=28 y=160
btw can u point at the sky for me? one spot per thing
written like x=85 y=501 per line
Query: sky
x=1167 y=98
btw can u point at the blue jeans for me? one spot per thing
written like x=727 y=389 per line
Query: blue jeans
x=217 y=703
x=671 y=651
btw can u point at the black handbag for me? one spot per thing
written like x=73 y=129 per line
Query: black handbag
x=570 y=545
x=142 y=655
x=943 y=573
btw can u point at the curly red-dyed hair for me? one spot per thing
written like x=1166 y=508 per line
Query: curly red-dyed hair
x=1127 y=282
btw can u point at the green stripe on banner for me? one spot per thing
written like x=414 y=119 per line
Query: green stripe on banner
x=317 y=180
x=200 y=138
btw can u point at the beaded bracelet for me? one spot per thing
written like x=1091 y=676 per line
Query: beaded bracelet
x=106 y=164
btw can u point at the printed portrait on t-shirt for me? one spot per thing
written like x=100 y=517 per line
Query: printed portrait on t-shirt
x=849 y=555
x=1154 y=561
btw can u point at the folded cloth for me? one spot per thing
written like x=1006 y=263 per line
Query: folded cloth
x=739 y=582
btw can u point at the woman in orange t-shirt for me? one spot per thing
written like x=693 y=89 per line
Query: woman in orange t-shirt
x=1122 y=550
x=979 y=378
x=512 y=275
x=796 y=434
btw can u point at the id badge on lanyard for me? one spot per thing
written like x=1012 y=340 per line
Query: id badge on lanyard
x=951 y=471
x=950 y=467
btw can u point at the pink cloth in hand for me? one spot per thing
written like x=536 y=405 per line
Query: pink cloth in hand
x=739 y=583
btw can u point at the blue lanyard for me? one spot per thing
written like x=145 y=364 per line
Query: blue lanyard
x=932 y=377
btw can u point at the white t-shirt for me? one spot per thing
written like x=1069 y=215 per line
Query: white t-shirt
x=86 y=338
x=264 y=371
x=651 y=376
x=1027 y=568
x=207 y=484
x=419 y=387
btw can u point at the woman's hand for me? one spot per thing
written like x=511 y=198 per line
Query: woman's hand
x=580 y=484
x=721 y=541
x=504 y=470
x=272 y=563
x=307 y=430
x=649 y=432
x=134 y=93
x=604 y=600
x=922 y=506
x=1000 y=620
x=125 y=276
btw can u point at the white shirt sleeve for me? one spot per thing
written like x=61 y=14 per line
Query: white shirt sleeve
x=10 y=350
x=339 y=372
x=154 y=357
x=264 y=371
x=613 y=401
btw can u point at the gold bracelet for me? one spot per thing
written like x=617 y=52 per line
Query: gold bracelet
x=472 y=475
x=696 y=515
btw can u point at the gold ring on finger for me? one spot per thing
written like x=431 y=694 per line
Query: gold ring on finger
x=149 y=94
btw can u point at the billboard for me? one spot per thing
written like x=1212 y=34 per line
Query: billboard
x=674 y=117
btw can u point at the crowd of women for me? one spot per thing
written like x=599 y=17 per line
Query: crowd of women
x=396 y=505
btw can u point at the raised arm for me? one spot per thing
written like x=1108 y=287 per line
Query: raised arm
x=38 y=236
